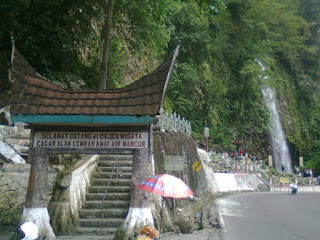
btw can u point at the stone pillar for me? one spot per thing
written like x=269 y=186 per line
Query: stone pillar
x=35 y=209
x=150 y=130
x=140 y=211
x=142 y=169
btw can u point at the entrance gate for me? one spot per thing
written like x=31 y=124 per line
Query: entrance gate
x=64 y=121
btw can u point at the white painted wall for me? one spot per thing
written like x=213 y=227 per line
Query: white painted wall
x=227 y=182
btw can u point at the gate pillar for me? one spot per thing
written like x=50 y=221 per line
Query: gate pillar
x=35 y=209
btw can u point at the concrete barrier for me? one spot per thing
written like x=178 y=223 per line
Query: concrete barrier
x=227 y=182
x=315 y=188
x=230 y=182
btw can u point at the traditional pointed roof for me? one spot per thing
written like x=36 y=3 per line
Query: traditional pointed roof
x=36 y=100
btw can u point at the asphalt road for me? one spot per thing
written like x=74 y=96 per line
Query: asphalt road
x=270 y=216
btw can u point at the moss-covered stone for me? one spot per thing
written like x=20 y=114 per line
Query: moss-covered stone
x=62 y=220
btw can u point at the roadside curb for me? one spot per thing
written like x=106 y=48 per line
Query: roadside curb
x=314 y=188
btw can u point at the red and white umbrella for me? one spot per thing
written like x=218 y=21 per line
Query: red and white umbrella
x=166 y=185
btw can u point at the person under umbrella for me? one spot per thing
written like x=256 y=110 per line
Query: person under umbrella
x=166 y=185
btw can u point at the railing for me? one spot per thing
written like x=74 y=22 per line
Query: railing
x=264 y=175
x=73 y=184
x=173 y=122
x=115 y=167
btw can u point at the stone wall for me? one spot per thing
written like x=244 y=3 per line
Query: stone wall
x=178 y=144
x=14 y=180
x=69 y=194
x=13 y=187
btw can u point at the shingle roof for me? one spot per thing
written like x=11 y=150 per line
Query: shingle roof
x=33 y=95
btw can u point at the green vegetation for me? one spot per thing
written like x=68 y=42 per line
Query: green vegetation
x=217 y=78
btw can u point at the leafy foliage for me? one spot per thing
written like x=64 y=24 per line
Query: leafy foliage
x=218 y=60
x=217 y=80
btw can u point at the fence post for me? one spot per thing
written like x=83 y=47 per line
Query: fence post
x=310 y=181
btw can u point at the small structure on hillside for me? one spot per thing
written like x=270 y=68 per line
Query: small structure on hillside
x=65 y=121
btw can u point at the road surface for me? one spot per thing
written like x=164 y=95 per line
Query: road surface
x=267 y=215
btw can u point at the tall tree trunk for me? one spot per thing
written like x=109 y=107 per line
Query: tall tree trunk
x=106 y=48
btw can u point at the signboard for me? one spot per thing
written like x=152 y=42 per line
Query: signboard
x=270 y=160
x=284 y=180
x=174 y=163
x=91 y=139
x=206 y=132
x=197 y=166
x=301 y=161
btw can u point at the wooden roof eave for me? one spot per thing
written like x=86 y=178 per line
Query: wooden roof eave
x=95 y=118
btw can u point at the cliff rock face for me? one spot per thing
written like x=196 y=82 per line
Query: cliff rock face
x=178 y=144
x=181 y=212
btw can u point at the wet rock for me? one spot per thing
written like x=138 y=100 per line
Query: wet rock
x=185 y=219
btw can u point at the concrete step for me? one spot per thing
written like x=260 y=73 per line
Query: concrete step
x=113 y=182
x=106 y=175
x=109 y=169
x=107 y=213
x=106 y=204
x=114 y=157
x=103 y=217
x=99 y=222
x=102 y=189
x=108 y=196
x=113 y=151
x=124 y=163
x=91 y=231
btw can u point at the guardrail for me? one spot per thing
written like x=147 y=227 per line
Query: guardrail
x=173 y=122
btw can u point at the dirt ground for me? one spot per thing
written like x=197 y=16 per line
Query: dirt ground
x=205 y=234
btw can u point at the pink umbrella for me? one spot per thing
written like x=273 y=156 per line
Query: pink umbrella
x=166 y=185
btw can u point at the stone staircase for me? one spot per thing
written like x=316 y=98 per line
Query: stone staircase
x=101 y=213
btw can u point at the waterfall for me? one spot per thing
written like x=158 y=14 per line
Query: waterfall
x=280 y=148
x=279 y=143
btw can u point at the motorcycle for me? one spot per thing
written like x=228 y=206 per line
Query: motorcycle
x=293 y=188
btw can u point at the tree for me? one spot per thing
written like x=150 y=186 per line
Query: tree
x=62 y=39
x=106 y=47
